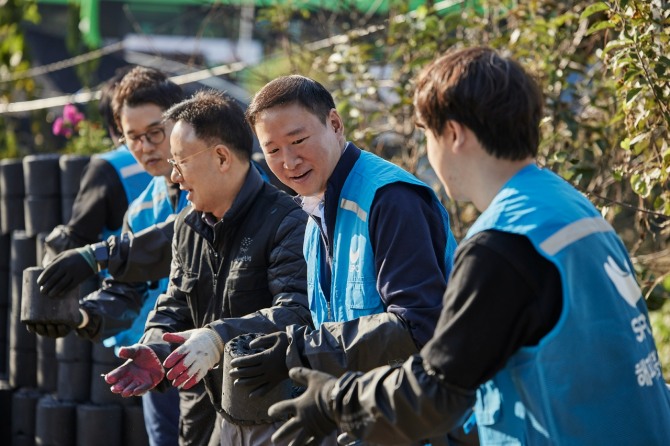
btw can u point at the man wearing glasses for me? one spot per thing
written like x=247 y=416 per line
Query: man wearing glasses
x=237 y=264
x=109 y=183
x=116 y=314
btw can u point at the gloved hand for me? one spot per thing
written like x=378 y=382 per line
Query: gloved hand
x=57 y=330
x=140 y=373
x=261 y=372
x=190 y=362
x=49 y=330
x=68 y=269
x=312 y=412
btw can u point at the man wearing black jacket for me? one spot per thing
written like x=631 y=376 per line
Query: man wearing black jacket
x=116 y=313
x=237 y=264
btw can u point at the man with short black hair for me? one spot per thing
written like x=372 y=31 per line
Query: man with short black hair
x=237 y=264
x=378 y=245
x=544 y=328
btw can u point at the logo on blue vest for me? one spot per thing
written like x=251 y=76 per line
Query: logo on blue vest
x=357 y=244
x=624 y=282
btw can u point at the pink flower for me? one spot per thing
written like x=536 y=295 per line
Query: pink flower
x=57 y=127
x=72 y=115
x=62 y=128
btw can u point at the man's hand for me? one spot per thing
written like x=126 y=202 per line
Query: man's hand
x=57 y=330
x=140 y=373
x=67 y=270
x=49 y=330
x=261 y=372
x=190 y=362
x=312 y=419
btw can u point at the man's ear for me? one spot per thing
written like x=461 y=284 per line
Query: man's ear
x=224 y=157
x=456 y=133
x=336 y=121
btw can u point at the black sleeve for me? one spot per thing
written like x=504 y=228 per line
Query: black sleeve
x=502 y=295
x=408 y=239
x=112 y=308
x=144 y=256
x=100 y=203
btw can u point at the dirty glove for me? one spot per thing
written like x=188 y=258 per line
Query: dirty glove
x=57 y=330
x=312 y=411
x=190 y=362
x=67 y=270
x=261 y=372
x=140 y=373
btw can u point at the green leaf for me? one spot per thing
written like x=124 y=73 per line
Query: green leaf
x=639 y=185
x=638 y=138
x=599 y=26
x=666 y=283
x=618 y=43
x=630 y=95
x=596 y=7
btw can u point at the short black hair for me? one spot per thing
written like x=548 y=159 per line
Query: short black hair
x=143 y=85
x=215 y=117
x=287 y=90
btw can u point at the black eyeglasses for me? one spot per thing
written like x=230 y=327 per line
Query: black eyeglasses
x=177 y=164
x=154 y=137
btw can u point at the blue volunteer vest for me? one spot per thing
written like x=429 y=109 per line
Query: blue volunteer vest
x=595 y=379
x=353 y=291
x=132 y=175
x=151 y=207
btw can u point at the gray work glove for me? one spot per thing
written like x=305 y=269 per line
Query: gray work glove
x=312 y=415
x=261 y=372
x=56 y=329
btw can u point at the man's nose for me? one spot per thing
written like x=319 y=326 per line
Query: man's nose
x=291 y=160
x=175 y=177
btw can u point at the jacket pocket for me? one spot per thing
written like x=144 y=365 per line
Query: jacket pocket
x=247 y=291
x=359 y=299
x=188 y=287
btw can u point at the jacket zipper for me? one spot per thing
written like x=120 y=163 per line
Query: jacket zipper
x=329 y=262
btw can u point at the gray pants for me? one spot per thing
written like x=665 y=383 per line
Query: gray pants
x=199 y=422
x=256 y=435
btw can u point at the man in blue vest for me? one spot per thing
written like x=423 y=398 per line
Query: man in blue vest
x=544 y=328
x=116 y=314
x=378 y=244
x=110 y=181
x=141 y=98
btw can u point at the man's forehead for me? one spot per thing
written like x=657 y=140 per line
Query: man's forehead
x=149 y=110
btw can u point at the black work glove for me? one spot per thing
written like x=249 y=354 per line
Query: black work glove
x=67 y=270
x=312 y=412
x=261 y=372
x=55 y=329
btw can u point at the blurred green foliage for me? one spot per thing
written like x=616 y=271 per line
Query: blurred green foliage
x=13 y=61
x=604 y=69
